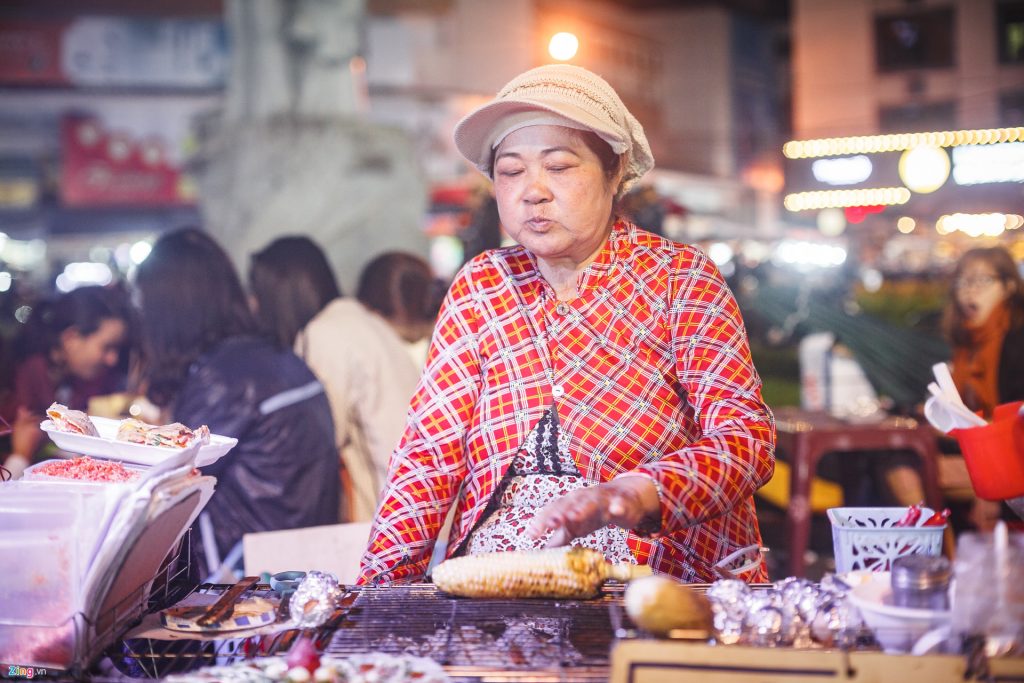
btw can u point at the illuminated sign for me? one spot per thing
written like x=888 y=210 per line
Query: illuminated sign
x=976 y=164
x=842 y=171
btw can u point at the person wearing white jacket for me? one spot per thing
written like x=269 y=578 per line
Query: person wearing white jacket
x=363 y=364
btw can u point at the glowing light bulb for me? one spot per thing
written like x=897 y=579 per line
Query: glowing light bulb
x=563 y=46
x=924 y=169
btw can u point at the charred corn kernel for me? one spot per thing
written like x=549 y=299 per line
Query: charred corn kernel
x=553 y=573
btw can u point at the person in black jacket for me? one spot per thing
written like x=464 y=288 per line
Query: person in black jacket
x=206 y=364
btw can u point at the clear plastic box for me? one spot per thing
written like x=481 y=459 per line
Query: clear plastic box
x=41 y=561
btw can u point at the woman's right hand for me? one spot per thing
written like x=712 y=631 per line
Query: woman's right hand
x=624 y=502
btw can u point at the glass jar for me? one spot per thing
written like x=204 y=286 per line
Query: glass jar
x=921 y=582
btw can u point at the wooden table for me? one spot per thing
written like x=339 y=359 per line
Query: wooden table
x=806 y=436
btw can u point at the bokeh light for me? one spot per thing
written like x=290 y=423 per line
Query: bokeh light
x=924 y=169
x=906 y=225
x=563 y=46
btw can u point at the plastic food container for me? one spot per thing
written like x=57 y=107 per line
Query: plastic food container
x=865 y=538
x=36 y=473
x=41 y=561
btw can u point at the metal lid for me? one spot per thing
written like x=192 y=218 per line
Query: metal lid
x=920 y=572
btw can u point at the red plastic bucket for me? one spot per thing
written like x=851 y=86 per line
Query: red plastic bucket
x=995 y=454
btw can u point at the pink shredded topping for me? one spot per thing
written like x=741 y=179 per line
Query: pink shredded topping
x=88 y=469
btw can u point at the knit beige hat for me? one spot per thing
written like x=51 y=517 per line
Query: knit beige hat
x=562 y=95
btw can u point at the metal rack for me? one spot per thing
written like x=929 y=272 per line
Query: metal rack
x=147 y=658
x=484 y=640
x=507 y=640
x=170 y=584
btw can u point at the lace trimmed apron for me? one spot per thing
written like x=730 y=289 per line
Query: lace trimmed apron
x=540 y=472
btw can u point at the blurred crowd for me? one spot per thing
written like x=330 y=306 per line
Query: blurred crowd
x=314 y=384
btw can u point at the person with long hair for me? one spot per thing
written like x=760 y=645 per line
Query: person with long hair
x=206 y=362
x=984 y=322
x=368 y=375
x=67 y=353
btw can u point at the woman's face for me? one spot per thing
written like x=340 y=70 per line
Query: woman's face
x=979 y=290
x=552 y=193
x=86 y=356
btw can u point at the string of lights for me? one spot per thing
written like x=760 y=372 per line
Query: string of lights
x=898 y=142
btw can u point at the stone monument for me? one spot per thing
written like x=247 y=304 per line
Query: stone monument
x=291 y=152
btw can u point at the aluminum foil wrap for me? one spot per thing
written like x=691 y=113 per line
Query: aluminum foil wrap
x=836 y=623
x=729 y=599
x=763 y=623
x=793 y=612
x=315 y=599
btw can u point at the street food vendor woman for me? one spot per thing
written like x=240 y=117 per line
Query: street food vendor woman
x=590 y=386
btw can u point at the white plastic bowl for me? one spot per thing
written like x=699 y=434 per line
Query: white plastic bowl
x=896 y=628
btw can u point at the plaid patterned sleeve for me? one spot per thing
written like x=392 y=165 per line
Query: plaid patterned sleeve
x=429 y=464
x=735 y=454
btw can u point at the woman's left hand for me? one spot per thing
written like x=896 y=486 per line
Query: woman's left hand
x=624 y=502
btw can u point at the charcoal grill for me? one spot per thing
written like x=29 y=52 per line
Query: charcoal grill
x=484 y=640
x=475 y=640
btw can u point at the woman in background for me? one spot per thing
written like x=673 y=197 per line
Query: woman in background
x=206 y=363
x=401 y=288
x=367 y=373
x=985 y=325
x=67 y=352
x=984 y=322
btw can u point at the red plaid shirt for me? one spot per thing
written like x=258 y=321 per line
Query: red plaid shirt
x=651 y=374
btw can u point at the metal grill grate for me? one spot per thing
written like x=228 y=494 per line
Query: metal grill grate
x=484 y=640
x=477 y=641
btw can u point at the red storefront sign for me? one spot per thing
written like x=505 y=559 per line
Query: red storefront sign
x=30 y=52
x=103 y=168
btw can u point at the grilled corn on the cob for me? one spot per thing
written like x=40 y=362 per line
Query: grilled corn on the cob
x=553 y=573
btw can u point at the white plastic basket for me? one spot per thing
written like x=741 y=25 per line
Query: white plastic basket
x=865 y=538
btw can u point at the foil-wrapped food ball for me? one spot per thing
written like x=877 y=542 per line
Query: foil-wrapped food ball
x=315 y=599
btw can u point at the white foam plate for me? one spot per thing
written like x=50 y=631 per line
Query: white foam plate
x=106 y=446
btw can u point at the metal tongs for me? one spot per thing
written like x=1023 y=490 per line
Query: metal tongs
x=225 y=605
